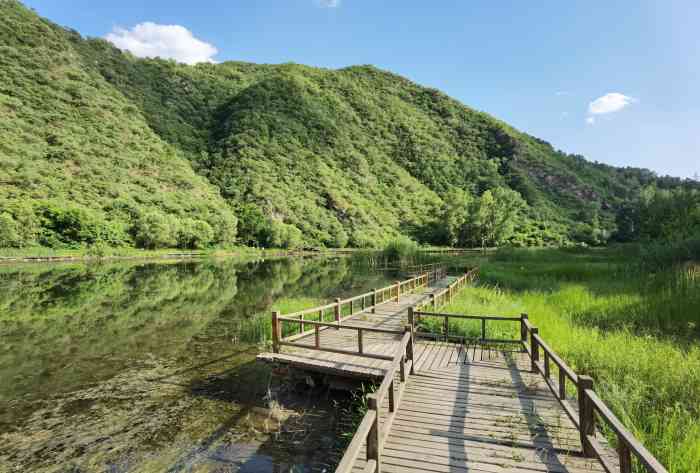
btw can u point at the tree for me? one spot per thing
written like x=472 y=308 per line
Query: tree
x=456 y=214
x=494 y=216
x=155 y=230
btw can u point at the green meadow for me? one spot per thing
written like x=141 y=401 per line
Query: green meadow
x=626 y=317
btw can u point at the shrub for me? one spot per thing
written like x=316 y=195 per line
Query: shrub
x=400 y=249
x=283 y=235
x=9 y=234
x=194 y=234
x=155 y=230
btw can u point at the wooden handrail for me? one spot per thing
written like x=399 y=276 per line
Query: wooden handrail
x=588 y=405
x=353 y=450
x=371 y=430
x=463 y=316
x=624 y=438
x=378 y=296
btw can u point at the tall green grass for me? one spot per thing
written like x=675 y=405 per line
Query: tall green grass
x=633 y=327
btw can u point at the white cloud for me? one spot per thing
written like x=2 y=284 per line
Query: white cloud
x=328 y=3
x=609 y=103
x=590 y=120
x=167 y=41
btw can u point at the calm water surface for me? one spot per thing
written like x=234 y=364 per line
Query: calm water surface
x=151 y=367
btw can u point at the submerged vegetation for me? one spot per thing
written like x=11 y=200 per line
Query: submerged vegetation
x=632 y=325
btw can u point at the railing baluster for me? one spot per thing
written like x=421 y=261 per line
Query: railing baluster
x=374 y=299
x=562 y=384
x=546 y=364
x=317 y=336
x=523 y=329
x=336 y=309
x=624 y=453
x=586 y=414
x=275 y=332
x=535 y=347
x=447 y=328
x=374 y=437
x=483 y=330
x=391 y=396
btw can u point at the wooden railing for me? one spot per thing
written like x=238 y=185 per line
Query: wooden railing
x=371 y=430
x=343 y=309
x=445 y=296
x=416 y=317
x=590 y=408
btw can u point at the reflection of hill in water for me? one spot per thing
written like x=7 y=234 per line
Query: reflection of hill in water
x=65 y=327
x=140 y=364
x=62 y=327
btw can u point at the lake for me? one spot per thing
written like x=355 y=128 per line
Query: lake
x=150 y=366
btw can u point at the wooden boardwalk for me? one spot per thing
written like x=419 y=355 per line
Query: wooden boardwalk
x=390 y=315
x=476 y=408
x=446 y=404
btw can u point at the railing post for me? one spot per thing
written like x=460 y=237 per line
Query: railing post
x=337 y=313
x=409 y=346
x=623 y=451
x=483 y=330
x=535 y=349
x=374 y=299
x=562 y=384
x=275 y=332
x=546 y=364
x=360 y=347
x=523 y=330
x=373 y=437
x=586 y=414
x=392 y=406
x=398 y=291
x=402 y=369
x=432 y=300
x=447 y=329
x=352 y=303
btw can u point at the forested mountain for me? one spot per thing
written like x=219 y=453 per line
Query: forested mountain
x=98 y=145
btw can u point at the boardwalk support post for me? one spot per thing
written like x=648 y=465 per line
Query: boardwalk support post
x=373 y=437
x=586 y=415
x=275 y=332
x=535 y=347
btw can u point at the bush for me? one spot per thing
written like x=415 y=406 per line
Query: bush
x=194 y=234
x=401 y=249
x=9 y=234
x=66 y=225
x=283 y=235
x=155 y=230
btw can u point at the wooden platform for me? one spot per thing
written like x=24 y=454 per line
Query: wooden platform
x=389 y=315
x=478 y=408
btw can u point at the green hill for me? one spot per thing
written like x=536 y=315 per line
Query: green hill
x=301 y=155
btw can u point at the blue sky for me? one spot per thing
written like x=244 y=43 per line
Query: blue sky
x=618 y=82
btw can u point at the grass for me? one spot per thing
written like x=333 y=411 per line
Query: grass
x=634 y=329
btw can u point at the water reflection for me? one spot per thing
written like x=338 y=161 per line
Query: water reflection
x=150 y=366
